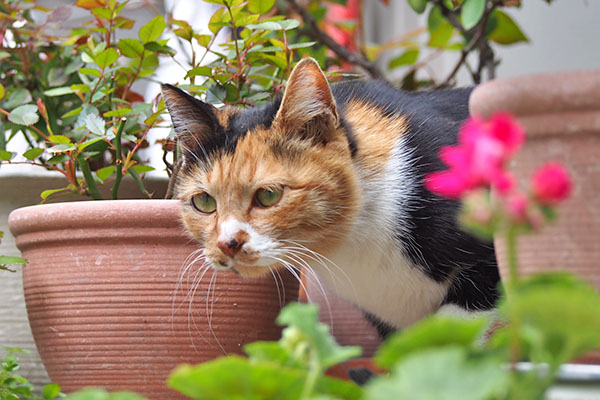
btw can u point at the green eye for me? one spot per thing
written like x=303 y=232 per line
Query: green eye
x=268 y=197
x=204 y=203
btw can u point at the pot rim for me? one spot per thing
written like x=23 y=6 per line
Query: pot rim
x=157 y=213
x=543 y=93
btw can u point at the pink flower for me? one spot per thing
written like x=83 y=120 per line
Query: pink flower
x=517 y=205
x=551 y=184
x=478 y=160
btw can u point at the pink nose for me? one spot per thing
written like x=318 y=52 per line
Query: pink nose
x=230 y=247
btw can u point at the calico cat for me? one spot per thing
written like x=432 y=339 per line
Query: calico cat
x=332 y=177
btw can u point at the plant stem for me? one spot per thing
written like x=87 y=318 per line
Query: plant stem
x=118 y=159
x=312 y=377
x=511 y=286
x=89 y=179
x=511 y=253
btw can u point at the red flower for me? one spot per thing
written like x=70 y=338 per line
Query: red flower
x=479 y=158
x=551 y=184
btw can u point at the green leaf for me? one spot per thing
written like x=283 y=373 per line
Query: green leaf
x=61 y=148
x=6 y=260
x=218 y=20
x=117 y=113
x=279 y=62
x=507 y=31
x=32 y=154
x=266 y=26
x=301 y=45
x=141 y=169
x=202 y=71
x=59 y=139
x=449 y=373
x=88 y=143
x=2 y=91
x=17 y=98
x=106 y=57
x=6 y=155
x=106 y=172
x=131 y=48
x=24 y=115
x=159 y=48
x=152 y=30
x=203 y=40
x=272 y=352
x=409 y=57
x=434 y=332
x=47 y=193
x=61 y=91
x=418 y=5
x=562 y=310
x=90 y=71
x=57 y=159
x=238 y=378
x=288 y=24
x=260 y=6
x=57 y=77
x=95 y=124
x=303 y=325
x=471 y=12
x=440 y=29
x=72 y=113
x=51 y=391
x=215 y=94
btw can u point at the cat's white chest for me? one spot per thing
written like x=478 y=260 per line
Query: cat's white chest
x=380 y=281
x=370 y=269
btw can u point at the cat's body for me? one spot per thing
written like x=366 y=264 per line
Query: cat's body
x=345 y=167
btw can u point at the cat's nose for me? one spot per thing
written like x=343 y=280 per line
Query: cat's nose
x=230 y=246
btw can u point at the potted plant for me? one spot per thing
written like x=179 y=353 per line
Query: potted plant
x=72 y=100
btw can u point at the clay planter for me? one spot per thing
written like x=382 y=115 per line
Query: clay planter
x=561 y=116
x=109 y=302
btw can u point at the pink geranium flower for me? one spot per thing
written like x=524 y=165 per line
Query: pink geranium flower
x=551 y=184
x=478 y=160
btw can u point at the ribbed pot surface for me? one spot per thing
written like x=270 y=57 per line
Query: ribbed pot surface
x=561 y=116
x=112 y=304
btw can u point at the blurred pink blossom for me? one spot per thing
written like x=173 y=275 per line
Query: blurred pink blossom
x=478 y=160
x=517 y=206
x=551 y=184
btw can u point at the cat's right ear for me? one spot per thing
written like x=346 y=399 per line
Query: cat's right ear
x=194 y=121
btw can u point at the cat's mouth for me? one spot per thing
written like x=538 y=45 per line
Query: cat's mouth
x=247 y=270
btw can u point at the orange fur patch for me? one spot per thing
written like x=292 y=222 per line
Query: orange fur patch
x=376 y=134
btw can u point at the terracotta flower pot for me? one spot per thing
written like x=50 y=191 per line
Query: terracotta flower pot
x=561 y=116
x=108 y=297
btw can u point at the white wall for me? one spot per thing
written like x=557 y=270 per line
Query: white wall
x=563 y=35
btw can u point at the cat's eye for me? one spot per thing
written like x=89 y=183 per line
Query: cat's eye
x=268 y=197
x=204 y=203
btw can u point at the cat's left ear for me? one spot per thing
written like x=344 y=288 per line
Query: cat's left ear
x=195 y=122
x=308 y=105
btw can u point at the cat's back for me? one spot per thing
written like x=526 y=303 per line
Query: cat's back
x=443 y=106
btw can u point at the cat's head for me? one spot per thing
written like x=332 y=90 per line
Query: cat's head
x=265 y=186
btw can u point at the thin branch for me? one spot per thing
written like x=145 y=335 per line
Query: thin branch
x=486 y=54
x=342 y=52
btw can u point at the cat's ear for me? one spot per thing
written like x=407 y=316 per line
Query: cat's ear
x=308 y=105
x=194 y=121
